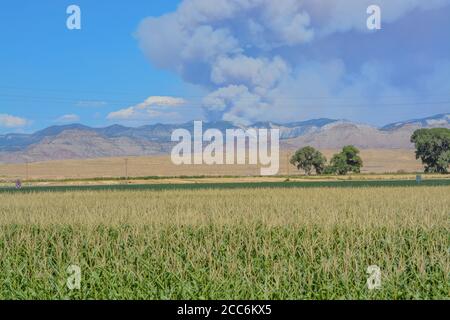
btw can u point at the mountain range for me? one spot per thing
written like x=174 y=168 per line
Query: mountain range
x=76 y=141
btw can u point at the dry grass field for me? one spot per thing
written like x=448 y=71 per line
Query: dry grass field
x=227 y=244
x=375 y=161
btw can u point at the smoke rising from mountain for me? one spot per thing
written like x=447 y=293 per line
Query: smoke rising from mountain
x=255 y=57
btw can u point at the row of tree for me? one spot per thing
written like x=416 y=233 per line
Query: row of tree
x=309 y=159
x=432 y=147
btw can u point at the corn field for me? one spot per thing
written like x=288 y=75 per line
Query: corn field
x=258 y=243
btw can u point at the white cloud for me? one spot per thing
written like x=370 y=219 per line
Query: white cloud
x=159 y=101
x=152 y=107
x=9 y=121
x=68 y=118
x=123 y=114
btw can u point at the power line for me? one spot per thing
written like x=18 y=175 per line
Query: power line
x=60 y=99
x=77 y=91
x=304 y=102
x=308 y=106
x=301 y=97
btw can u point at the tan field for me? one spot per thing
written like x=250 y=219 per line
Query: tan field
x=375 y=161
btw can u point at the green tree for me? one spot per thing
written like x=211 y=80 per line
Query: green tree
x=433 y=148
x=308 y=158
x=353 y=159
x=338 y=164
x=348 y=160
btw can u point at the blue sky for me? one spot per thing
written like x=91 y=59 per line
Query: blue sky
x=221 y=60
x=48 y=71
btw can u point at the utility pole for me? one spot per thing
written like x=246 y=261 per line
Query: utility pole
x=27 y=171
x=287 y=163
x=126 y=169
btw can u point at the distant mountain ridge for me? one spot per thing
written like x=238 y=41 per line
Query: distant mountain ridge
x=157 y=132
x=434 y=121
x=77 y=141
